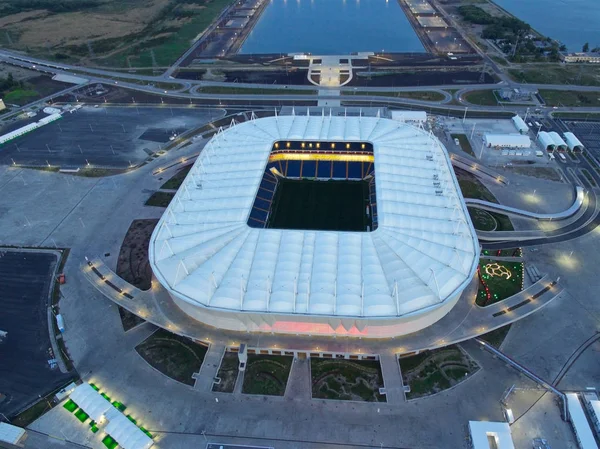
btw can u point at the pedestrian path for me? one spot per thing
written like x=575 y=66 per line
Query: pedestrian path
x=299 y=382
x=209 y=368
x=392 y=378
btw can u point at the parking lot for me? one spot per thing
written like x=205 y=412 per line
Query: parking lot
x=113 y=137
x=25 y=281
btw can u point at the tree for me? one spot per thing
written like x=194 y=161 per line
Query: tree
x=586 y=47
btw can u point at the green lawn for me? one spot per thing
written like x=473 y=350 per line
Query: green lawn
x=503 y=280
x=433 y=371
x=464 y=143
x=228 y=373
x=482 y=220
x=168 y=48
x=476 y=190
x=481 y=97
x=570 y=98
x=26 y=417
x=357 y=380
x=20 y=96
x=496 y=337
x=579 y=74
x=160 y=199
x=177 y=179
x=266 y=374
x=175 y=356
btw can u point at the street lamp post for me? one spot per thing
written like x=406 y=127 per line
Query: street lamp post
x=465 y=116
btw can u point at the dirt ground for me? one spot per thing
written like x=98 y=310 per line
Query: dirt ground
x=133 y=264
x=41 y=28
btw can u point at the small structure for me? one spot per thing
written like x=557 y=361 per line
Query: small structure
x=579 y=422
x=559 y=143
x=590 y=57
x=520 y=124
x=410 y=116
x=65 y=392
x=2 y=105
x=490 y=435
x=28 y=128
x=506 y=141
x=546 y=141
x=516 y=94
x=12 y=434
x=573 y=142
x=593 y=406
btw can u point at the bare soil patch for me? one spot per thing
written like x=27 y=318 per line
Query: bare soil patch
x=133 y=264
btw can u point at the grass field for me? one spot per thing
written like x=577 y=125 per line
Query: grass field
x=322 y=205
x=433 y=371
x=124 y=33
x=266 y=374
x=228 y=373
x=481 y=97
x=20 y=96
x=570 y=98
x=482 y=220
x=174 y=356
x=357 y=380
x=475 y=189
x=177 y=179
x=160 y=199
x=579 y=74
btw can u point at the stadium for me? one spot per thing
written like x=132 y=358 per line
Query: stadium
x=317 y=225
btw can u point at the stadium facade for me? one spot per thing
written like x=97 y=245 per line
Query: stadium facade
x=230 y=256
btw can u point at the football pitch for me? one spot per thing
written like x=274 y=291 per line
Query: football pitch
x=320 y=205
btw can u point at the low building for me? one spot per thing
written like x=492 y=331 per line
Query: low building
x=2 y=105
x=490 y=435
x=506 y=141
x=12 y=435
x=516 y=94
x=590 y=57
x=559 y=143
x=573 y=142
x=520 y=124
x=410 y=116
x=546 y=141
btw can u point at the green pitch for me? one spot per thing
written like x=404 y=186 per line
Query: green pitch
x=320 y=205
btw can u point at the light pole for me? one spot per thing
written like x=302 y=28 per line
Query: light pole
x=465 y=116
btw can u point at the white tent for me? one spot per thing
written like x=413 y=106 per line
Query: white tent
x=520 y=124
x=506 y=141
x=126 y=433
x=580 y=424
x=90 y=401
x=558 y=141
x=546 y=141
x=11 y=434
x=573 y=142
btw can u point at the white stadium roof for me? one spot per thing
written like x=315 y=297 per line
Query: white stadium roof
x=423 y=252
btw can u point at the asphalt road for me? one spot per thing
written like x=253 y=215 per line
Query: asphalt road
x=25 y=279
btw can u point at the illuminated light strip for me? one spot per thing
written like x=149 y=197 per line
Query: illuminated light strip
x=321 y=157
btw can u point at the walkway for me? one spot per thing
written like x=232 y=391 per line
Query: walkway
x=512 y=211
x=465 y=321
x=392 y=378
x=210 y=367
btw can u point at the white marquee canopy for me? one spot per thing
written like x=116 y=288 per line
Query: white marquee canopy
x=423 y=252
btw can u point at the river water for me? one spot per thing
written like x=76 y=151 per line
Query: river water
x=573 y=22
x=326 y=27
